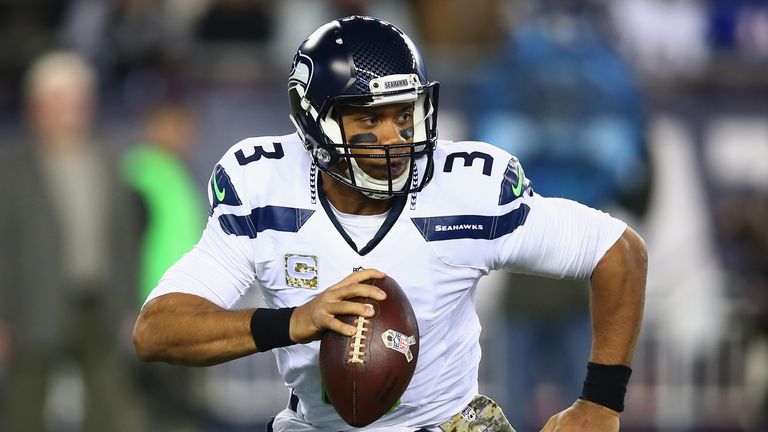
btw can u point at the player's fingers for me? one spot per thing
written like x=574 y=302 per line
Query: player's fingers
x=351 y=308
x=360 y=276
x=359 y=290
x=340 y=327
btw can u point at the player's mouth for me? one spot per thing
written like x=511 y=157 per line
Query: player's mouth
x=379 y=170
x=397 y=167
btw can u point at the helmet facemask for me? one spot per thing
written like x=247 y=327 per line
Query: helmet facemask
x=338 y=156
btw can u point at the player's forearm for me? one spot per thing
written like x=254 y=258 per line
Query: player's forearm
x=617 y=299
x=189 y=330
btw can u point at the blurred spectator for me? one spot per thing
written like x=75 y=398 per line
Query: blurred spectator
x=665 y=38
x=173 y=211
x=27 y=28
x=564 y=102
x=236 y=21
x=456 y=23
x=139 y=37
x=741 y=27
x=138 y=46
x=296 y=19
x=231 y=42
x=67 y=257
x=173 y=216
x=742 y=219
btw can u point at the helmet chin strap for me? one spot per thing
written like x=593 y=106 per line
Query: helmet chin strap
x=364 y=180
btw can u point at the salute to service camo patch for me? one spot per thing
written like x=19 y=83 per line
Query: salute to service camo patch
x=481 y=415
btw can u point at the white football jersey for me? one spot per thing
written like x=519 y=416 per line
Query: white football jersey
x=268 y=223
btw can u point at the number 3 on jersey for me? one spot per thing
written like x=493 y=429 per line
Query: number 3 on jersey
x=469 y=160
x=514 y=183
x=258 y=152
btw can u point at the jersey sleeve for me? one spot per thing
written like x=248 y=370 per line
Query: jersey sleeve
x=560 y=238
x=220 y=267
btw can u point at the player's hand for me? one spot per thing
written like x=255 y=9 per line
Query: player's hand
x=311 y=319
x=584 y=416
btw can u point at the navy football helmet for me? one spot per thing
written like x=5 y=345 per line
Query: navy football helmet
x=362 y=61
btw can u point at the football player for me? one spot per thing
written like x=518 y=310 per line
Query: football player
x=364 y=184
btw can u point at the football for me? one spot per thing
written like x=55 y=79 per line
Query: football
x=364 y=375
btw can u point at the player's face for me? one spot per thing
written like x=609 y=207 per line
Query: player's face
x=381 y=125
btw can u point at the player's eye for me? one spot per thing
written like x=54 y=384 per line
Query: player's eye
x=368 y=121
x=405 y=117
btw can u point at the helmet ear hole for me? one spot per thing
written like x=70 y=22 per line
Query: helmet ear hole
x=323 y=155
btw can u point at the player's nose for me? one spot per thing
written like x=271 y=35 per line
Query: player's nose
x=391 y=133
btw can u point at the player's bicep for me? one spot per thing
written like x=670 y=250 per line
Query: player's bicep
x=560 y=238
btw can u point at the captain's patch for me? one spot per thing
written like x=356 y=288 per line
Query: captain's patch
x=301 y=271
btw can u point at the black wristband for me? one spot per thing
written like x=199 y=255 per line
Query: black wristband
x=270 y=328
x=606 y=385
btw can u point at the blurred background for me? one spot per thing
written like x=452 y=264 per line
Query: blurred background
x=112 y=113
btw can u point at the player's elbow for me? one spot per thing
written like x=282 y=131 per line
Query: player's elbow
x=145 y=341
x=625 y=264
x=635 y=252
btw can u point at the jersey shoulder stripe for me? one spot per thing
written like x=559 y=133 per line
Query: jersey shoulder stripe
x=476 y=227
x=277 y=218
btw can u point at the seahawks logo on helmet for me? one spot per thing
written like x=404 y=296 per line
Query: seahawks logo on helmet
x=301 y=71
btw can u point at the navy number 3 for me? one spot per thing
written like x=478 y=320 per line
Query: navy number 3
x=258 y=152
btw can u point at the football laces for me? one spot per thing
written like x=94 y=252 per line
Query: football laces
x=357 y=347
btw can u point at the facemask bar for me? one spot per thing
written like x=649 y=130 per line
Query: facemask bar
x=390 y=185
